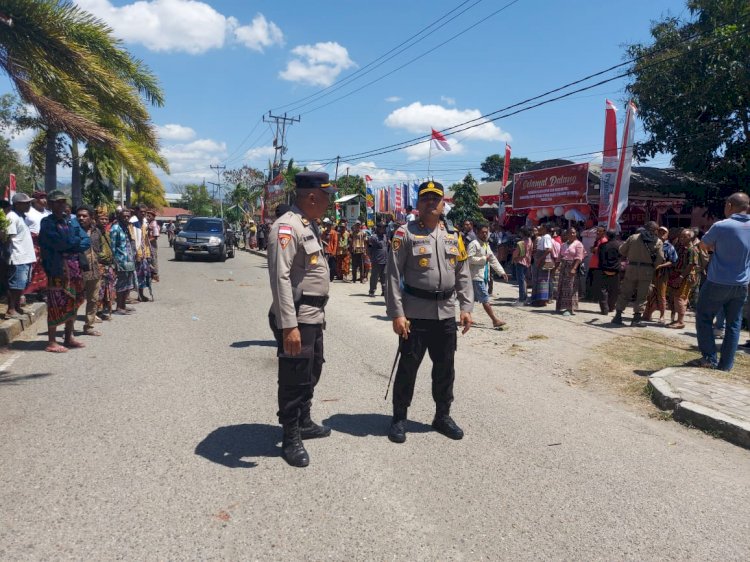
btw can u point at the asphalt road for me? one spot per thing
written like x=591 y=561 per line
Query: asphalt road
x=159 y=441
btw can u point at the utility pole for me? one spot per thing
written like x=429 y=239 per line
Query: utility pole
x=337 y=169
x=279 y=141
x=219 y=169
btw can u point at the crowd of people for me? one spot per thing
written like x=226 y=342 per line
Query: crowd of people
x=68 y=257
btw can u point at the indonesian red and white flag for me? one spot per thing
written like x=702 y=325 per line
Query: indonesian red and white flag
x=368 y=178
x=440 y=141
x=622 y=182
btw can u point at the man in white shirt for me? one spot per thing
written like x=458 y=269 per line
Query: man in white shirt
x=37 y=211
x=22 y=256
x=410 y=216
x=481 y=259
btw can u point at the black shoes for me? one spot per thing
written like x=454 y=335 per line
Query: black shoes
x=444 y=424
x=371 y=294
x=637 y=321
x=618 y=318
x=308 y=429
x=397 y=432
x=292 y=449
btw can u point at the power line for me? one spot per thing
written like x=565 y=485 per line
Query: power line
x=484 y=118
x=360 y=72
x=424 y=54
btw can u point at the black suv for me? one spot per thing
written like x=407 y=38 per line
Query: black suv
x=204 y=236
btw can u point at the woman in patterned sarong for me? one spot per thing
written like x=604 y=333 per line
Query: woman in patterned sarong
x=62 y=240
x=38 y=277
x=107 y=294
x=683 y=278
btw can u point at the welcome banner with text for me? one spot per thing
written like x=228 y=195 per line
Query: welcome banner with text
x=550 y=187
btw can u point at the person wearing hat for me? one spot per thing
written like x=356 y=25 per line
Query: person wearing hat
x=427 y=274
x=300 y=278
x=377 y=247
x=22 y=255
x=62 y=241
x=252 y=235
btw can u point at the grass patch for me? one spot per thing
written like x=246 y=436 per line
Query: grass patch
x=621 y=365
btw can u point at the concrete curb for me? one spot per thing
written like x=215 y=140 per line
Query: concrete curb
x=666 y=397
x=12 y=328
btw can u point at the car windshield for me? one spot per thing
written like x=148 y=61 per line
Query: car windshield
x=203 y=225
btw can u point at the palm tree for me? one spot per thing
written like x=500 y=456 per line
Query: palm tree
x=67 y=64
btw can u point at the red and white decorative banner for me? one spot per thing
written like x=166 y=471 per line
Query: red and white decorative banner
x=550 y=187
x=622 y=183
x=609 y=163
x=506 y=165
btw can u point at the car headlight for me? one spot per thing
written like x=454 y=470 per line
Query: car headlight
x=181 y=239
x=214 y=241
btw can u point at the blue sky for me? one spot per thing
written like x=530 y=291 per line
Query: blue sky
x=225 y=63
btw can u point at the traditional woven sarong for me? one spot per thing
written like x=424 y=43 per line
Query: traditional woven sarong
x=657 y=295
x=143 y=274
x=38 y=276
x=540 y=280
x=65 y=294
x=567 y=297
x=107 y=294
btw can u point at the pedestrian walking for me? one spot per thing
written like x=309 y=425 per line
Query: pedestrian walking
x=644 y=253
x=481 y=260
x=427 y=274
x=726 y=284
x=377 y=247
x=300 y=281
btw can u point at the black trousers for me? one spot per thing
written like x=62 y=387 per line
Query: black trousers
x=298 y=375
x=332 y=266
x=439 y=338
x=605 y=289
x=358 y=265
x=377 y=273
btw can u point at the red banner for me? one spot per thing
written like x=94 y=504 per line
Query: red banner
x=506 y=165
x=562 y=185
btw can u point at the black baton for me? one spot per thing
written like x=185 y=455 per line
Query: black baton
x=395 y=362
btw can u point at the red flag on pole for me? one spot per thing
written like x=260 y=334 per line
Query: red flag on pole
x=506 y=164
x=368 y=178
x=440 y=140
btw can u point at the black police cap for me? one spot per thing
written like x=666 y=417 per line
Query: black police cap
x=431 y=187
x=314 y=180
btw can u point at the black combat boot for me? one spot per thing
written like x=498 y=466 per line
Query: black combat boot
x=444 y=424
x=397 y=432
x=292 y=449
x=618 y=318
x=637 y=321
x=308 y=429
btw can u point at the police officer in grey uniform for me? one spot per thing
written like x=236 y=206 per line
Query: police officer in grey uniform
x=299 y=275
x=427 y=273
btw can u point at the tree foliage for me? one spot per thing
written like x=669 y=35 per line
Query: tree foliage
x=692 y=89
x=195 y=198
x=494 y=165
x=350 y=185
x=465 y=201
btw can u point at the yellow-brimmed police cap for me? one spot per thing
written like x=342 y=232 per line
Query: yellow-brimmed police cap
x=430 y=187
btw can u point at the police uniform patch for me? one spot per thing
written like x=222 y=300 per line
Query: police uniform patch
x=453 y=250
x=423 y=250
x=285 y=235
x=396 y=244
x=424 y=262
x=314 y=259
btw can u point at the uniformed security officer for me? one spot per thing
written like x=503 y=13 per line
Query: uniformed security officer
x=299 y=275
x=427 y=272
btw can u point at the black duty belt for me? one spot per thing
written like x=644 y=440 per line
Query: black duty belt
x=428 y=295
x=310 y=300
x=641 y=263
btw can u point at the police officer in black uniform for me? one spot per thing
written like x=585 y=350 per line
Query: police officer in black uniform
x=427 y=273
x=299 y=275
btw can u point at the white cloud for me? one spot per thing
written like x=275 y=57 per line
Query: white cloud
x=259 y=34
x=417 y=118
x=317 y=65
x=260 y=154
x=187 y=26
x=175 y=132
x=447 y=101
x=191 y=161
x=392 y=99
